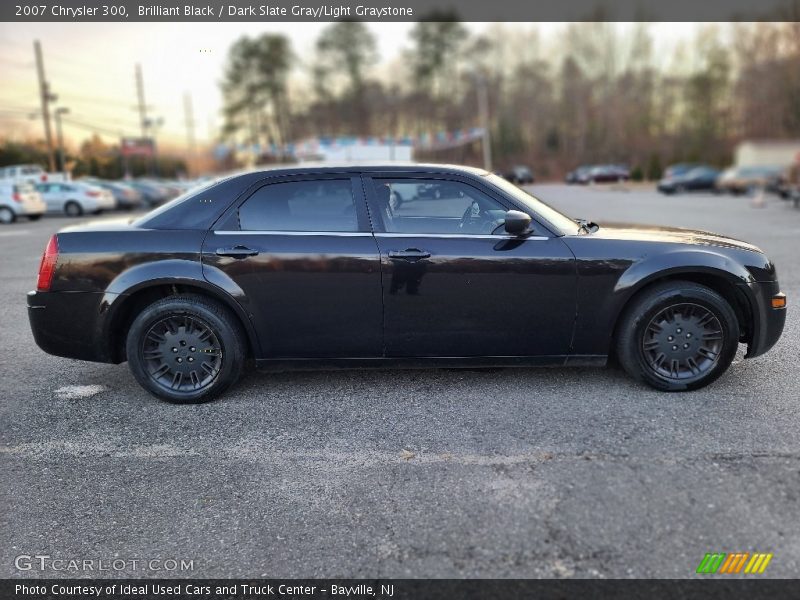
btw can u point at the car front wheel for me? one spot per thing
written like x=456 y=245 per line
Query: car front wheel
x=678 y=336
x=186 y=349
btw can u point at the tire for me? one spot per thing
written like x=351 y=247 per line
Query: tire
x=699 y=341
x=73 y=209
x=7 y=215
x=191 y=323
x=34 y=217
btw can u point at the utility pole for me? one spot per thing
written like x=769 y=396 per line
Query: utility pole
x=142 y=106
x=483 y=110
x=188 y=114
x=147 y=124
x=61 y=110
x=47 y=97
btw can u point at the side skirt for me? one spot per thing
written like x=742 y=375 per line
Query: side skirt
x=457 y=362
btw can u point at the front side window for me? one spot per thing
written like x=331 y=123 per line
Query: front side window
x=321 y=205
x=436 y=206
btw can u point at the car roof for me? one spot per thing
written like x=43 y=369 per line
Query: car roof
x=398 y=167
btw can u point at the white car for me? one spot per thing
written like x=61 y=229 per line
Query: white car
x=19 y=200
x=75 y=198
x=30 y=173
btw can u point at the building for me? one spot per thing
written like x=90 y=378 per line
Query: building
x=767 y=153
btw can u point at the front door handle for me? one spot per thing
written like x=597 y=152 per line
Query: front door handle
x=409 y=254
x=237 y=252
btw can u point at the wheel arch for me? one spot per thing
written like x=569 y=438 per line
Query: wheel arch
x=124 y=307
x=720 y=280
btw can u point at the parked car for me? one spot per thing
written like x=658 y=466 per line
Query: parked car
x=740 y=180
x=520 y=174
x=30 y=174
x=678 y=169
x=697 y=179
x=125 y=196
x=75 y=198
x=579 y=175
x=190 y=292
x=151 y=193
x=609 y=174
x=436 y=190
x=19 y=199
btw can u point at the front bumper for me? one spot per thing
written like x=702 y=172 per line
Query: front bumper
x=768 y=322
x=67 y=324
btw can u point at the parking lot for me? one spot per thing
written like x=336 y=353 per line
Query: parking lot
x=439 y=473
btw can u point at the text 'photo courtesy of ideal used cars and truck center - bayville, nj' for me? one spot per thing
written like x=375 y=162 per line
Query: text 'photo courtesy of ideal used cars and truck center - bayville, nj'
x=280 y=281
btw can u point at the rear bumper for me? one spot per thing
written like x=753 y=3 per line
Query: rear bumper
x=25 y=209
x=67 y=324
x=768 y=322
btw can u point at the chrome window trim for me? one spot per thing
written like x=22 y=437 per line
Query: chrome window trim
x=463 y=236
x=272 y=232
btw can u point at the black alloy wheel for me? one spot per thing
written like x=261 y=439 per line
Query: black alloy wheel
x=182 y=353
x=683 y=341
x=677 y=335
x=186 y=348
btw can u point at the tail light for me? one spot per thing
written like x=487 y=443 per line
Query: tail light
x=17 y=197
x=48 y=265
x=92 y=193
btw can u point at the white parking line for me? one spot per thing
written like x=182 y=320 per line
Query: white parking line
x=78 y=392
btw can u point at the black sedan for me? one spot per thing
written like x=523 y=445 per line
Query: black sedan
x=520 y=174
x=695 y=180
x=313 y=266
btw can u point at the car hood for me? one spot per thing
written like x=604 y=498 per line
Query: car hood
x=657 y=233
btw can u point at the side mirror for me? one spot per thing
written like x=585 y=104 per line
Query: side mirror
x=517 y=222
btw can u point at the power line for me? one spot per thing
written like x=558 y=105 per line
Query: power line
x=93 y=128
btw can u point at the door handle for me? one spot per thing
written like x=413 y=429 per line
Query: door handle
x=409 y=254
x=237 y=252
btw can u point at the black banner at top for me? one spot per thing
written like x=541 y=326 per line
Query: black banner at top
x=396 y=10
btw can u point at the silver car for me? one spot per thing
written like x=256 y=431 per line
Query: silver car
x=75 y=198
x=19 y=199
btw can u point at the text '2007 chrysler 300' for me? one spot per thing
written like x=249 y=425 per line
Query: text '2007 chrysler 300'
x=420 y=265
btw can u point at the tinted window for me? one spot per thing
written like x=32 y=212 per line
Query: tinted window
x=322 y=205
x=436 y=206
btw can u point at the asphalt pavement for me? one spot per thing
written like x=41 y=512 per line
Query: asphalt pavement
x=437 y=473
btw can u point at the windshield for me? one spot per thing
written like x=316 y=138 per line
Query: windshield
x=549 y=214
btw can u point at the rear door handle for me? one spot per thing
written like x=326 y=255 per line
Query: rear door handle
x=237 y=252
x=409 y=254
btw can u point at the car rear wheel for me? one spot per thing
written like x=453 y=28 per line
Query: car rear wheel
x=186 y=349
x=7 y=215
x=678 y=336
x=73 y=209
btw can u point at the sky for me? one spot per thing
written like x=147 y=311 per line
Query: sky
x=91 y=66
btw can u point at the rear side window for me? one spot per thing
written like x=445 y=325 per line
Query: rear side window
x=321 y=205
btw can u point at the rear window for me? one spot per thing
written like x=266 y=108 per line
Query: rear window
x=195 y=209
x=320 y=205
x=23 y=188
